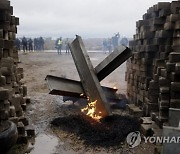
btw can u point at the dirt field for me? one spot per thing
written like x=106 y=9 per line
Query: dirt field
x=44 y=107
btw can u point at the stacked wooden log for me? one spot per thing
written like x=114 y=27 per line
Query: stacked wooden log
x=13 y=94
x=153 y=71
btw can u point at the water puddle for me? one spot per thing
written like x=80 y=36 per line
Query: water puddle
x=44 y=144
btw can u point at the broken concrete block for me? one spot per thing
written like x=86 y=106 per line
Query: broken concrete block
x=24 y=91
x=177 y=68
x=3 y=115
x=16 y=101
x=21 y=128
x=30 y=132
x=24 y=120
x=174 y=57
x=7 y=105
x=175 y=86
x=28 y=100
x=14 y=119
x=174 y=117
x=22 y=139
x=12 y=111
x=23 y=106
x=175 y=103
x=147 y=130
x=2 y=80
x=4 y=94
x=170 y=132
x=19 y=113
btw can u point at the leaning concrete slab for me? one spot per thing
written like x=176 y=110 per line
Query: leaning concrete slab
x=90 y=82
x=111 y=62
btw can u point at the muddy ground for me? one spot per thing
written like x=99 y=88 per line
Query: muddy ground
x=44 y=107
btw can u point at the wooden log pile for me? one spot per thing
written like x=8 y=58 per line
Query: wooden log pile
x=13 y=94
x=153 y=72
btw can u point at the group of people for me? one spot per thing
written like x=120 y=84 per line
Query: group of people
x=28 y=44
x=112 y=43
x=59 y=45
x=37 y=44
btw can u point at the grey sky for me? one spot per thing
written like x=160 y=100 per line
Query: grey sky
x=88 y=18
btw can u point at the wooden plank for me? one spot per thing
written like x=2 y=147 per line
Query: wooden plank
x=90 y=82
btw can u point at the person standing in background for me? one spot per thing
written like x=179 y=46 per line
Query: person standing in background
x=35 y=44
x=67 y=46
x=124 y=41
x=115 y=40
x=105 y=45
x=41 y=44
x=109 y=45
x=30 y=44
x=24 y=44
x=59 y=45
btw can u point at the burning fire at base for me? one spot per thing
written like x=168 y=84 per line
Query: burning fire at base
x=114 y=87
x=91 y=111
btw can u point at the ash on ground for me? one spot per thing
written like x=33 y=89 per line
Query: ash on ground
x=108 y=132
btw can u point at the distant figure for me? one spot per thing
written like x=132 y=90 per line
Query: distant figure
x=41 y=44
x=124 y=41
x=38 y=44
x=24 y=44
x=109 y=45
x=115 y=40
x=105 y=45
x=59 y=45
x=35 y=44
x=18 y=43
x=30 y=44
x=67 y=46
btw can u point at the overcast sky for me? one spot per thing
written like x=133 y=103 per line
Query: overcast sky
x=88 y=18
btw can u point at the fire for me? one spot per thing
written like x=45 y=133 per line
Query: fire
x=81 y=94
x=114 y=87
x=90 y=110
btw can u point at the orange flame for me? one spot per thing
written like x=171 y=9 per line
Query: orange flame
x=114 y=87
x=90 y=110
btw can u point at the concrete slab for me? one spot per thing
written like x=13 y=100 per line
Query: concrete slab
x=171 y=148
x=174 y=117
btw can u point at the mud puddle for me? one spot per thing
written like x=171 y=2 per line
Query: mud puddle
x=44 y=144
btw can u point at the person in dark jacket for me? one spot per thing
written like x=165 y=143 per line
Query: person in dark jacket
x=124 y=41
x=24 y=44
x=41 y=44
x=35 y=44
x=67 y=46
x=30 y=44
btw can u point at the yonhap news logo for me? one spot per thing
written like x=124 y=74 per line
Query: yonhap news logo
x=134 y=139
